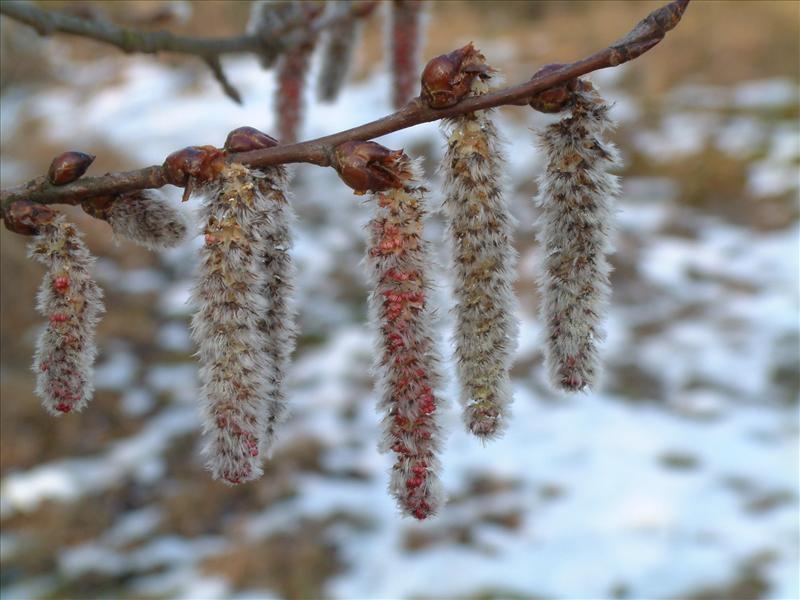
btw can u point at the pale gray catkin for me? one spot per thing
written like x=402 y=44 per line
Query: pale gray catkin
x=576 y=198
x=146 y=218
x=480 y=231
x=227 y=326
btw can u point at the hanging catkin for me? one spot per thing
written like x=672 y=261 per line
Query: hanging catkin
x=145 y=217
x=405 y=45
x=480 y=228
x=576 y=198
x=278 y=323
x=407 y=362
x=338 y=44
x=72 y=302
x=228 y=327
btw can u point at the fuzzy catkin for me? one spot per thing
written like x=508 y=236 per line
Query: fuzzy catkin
x=278 y=323
x=146 y=218
x=405 y=46
x=228 y=327
x=480 y=232
x=337 y=48
x=576 y=198
x=407 y=360
x=72 y=302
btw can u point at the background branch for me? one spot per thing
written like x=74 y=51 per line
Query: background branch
x=644 y=36
x=266 y=44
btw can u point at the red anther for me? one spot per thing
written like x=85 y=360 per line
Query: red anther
x=61 y=284
x=414 y=482
x=63 y=407
x=59 y=318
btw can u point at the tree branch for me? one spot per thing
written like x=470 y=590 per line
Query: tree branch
x=265 y=44
x=644 y=36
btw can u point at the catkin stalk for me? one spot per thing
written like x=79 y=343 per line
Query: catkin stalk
x=576 y=199
x=407 y=362
x=72 y=302
x=480 y=232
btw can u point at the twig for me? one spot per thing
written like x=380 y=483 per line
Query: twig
x=151 y=42
x=644 y=36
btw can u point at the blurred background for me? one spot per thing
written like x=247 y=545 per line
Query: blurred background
x=677 y=479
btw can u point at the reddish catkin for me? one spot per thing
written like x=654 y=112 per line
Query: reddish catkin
x=405 y=48
x=576 y=198
x=230 y=301
x=337 y=46
x=480 y=231
x=407 y=363
x=72 y=303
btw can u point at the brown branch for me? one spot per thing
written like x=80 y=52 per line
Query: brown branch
x=644 y=36
x=265 y=44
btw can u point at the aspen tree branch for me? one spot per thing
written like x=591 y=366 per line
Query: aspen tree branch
x=643 y=37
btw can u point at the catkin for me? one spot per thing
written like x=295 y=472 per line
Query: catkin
x=228 y=327
x=146 y=218
x=407 y=360
x=480 y=231
x=576 y=198
x=337 y=48
x=278 y=322
x=405 y=46
x=72 y=302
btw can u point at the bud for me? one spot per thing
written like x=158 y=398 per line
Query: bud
x=480 y=230
x=446 y=79
x=69 y=166
x=576 y=199
x=203 y=163
x=27 y=218
x=72 y=303
x=245 y=139
x=407 y=360
x=559 y=97
x=368 y=166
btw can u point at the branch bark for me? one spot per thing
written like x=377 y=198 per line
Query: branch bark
x=643 y=37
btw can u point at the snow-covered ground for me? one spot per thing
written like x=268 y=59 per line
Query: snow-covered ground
x=679 y=475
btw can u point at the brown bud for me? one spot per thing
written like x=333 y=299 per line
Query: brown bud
x=97 y=206
x=68 y=166
x=559 y=97
x=26 y=218
x=446 y=79
x=244 y=139
x=367 y=166
x=203 y=163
